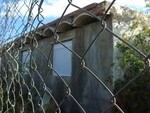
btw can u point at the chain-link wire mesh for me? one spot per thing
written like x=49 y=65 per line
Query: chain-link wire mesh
x=32 y=81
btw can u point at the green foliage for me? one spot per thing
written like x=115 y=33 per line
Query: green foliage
x=136 y=97
x=147 y=3
x=134 y=25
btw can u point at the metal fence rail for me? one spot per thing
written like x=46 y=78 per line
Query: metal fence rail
x=13 y=84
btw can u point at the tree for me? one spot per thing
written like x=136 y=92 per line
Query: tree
x=136 y=97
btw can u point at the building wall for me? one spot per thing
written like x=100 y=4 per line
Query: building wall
x=87 y=90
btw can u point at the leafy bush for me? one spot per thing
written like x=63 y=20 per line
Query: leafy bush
x=136 y=97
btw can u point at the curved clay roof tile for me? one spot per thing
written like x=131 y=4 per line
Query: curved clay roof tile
x=48 y=32
x=38 y=35
x=64 y=26
x=83 y=19
x=26 y=39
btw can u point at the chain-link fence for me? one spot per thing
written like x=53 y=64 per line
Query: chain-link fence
x=63 y=66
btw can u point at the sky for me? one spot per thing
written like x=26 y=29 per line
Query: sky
x=54 y=8
x=51 y=10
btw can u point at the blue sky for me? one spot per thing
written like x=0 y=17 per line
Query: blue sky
x=51 y=10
